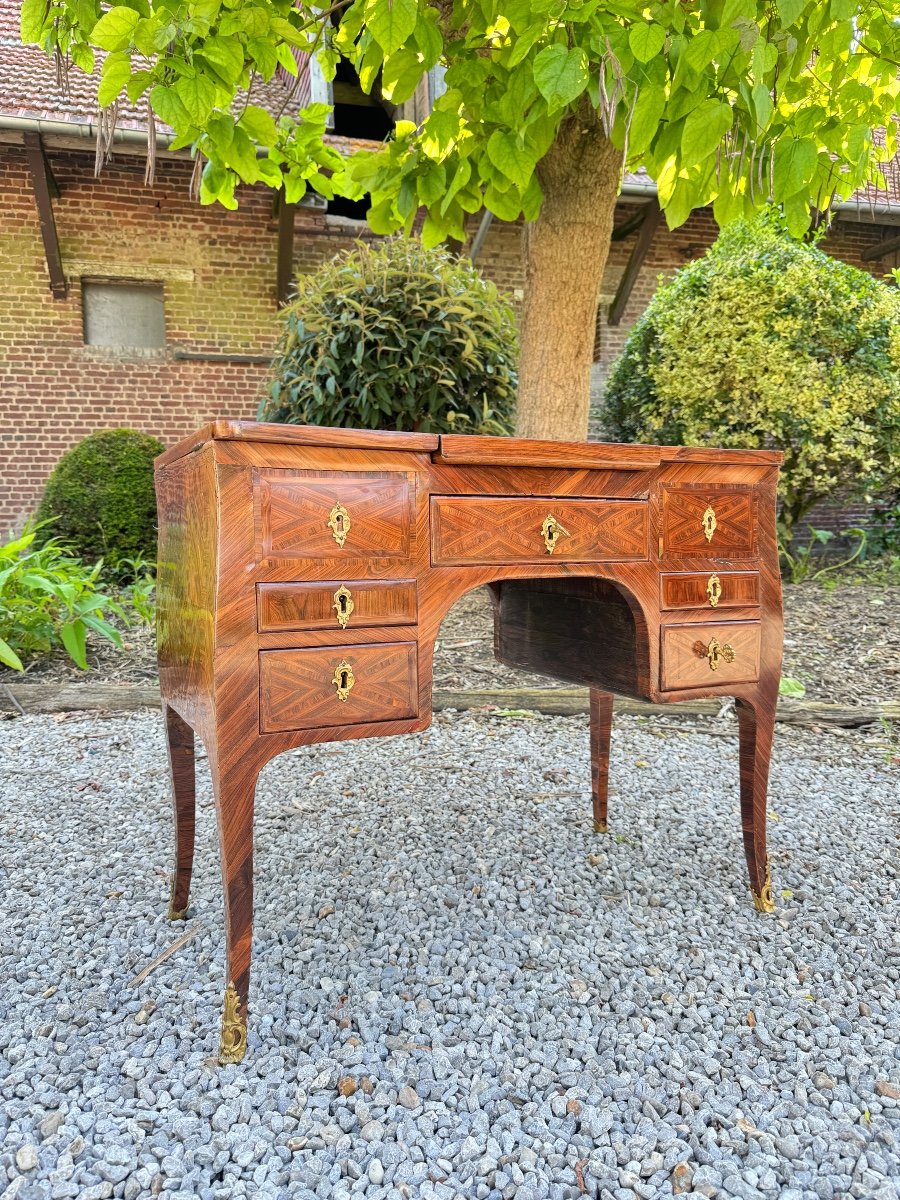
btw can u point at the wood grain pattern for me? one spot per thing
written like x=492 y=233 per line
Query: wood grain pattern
x=249 y=645
x=474 y=529
x=302 y=606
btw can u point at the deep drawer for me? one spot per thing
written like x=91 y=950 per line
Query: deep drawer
x=323 y=514
x=708 y=520
x=337 y=685
x=487 y=529
x=709 y=655
x=335 y=604
x=713 y=589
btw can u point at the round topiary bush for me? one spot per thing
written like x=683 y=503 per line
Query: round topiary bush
x=100 y=499
x=769 y=342
x=395 y=336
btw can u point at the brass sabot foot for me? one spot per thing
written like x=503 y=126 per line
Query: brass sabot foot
x=601 y=827
x=233 y=1045
x=175 y=914
x=763 y=901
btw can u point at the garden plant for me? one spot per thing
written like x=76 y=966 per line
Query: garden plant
x=396 y=336
x=768 y=341
x=729 y=103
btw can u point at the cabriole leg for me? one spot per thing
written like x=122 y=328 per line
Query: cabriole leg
x=180 y=740
x=601 y=733
x=756 y=725
x=234 y=784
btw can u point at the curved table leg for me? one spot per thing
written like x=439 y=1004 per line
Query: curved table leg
x=180 y=741
x=756 y=725
x=601 y=734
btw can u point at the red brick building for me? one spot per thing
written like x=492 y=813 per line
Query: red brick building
x=123 y=304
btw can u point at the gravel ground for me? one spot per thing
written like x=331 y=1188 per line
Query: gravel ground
x=518 y=1006
x=843 y=645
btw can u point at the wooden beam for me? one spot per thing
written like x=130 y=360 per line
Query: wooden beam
x=635 y=262
x=285 y=269
x=635 y=221
x=888 y=246
x=40 y=182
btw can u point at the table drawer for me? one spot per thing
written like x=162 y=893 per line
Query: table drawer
x=335 y=604
x=709 y=520
x=712 y=589
x=337 y=685
x=488 y=529
x=324 y=514
x=709 y=655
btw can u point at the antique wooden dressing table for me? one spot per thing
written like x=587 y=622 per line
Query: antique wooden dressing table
x=304 y=573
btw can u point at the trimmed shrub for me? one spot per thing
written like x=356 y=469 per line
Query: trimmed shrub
x=100 y=500
x=769 y=342
x=395 y=336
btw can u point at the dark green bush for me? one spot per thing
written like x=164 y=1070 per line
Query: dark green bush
x=769 y=342
x=394 y=336
x=99 y=499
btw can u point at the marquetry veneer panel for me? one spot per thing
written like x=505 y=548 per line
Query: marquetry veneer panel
x=685 y=660
x=362 y=602
x=297 y=689
x=487 y=529
x=731 y=589
x=293 y=510
x=684 y=530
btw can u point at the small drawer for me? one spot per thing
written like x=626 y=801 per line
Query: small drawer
x=337 y=685
x=325 y=514
x=713 y=589
x=708 y=520
x=488 y=529
x=709 y=655
x=335 y=604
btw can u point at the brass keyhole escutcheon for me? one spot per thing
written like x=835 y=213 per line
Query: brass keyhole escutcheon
x=709 y=522
x=343 y=605
x=715 y=653
x=714 y=590
x=339 y=523
x=551 y=532
x=343 y=679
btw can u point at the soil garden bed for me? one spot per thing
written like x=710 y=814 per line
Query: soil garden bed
x=842 y=644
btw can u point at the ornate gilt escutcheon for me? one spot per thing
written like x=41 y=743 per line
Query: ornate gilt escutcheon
x=343 y=679
x=709 y=522
x=714 y=590
x=551 y=532
x=343 y=605
x=715 y=652
x=234 y=1028
x=339 y=524
x=764 y=901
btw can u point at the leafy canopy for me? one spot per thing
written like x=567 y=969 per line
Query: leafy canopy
x=396 y=336
x=767 y=341
x=731 y=102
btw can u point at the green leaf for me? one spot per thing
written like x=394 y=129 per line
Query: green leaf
x=400 y=74
x=391 y=22
x=31 y=26
x=560 y=74
x=646 y=40
x=198 y=95
x=511 y=159
x=703 y=131
x=169 y=108
x=790 y=687
x=113 y=30
x=795 y=165
x=74 y=638
x=762 y=105
x=645 y=118
x=264 y=55
x=790 y=10
x=8 y=656
x=259 y=124
x=116 y=73
x=226 y=54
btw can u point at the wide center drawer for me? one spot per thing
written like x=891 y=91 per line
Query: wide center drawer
x=337 y=685
x=498 y=529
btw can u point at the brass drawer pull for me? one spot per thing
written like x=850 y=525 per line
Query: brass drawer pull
x=713 y=590
x=339 y=523
x=343 y=605
x=551 y=531
x=709 y=522
x=715 y=652
x=343 y=679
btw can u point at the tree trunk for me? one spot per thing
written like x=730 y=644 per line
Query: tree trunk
x=565 y=253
